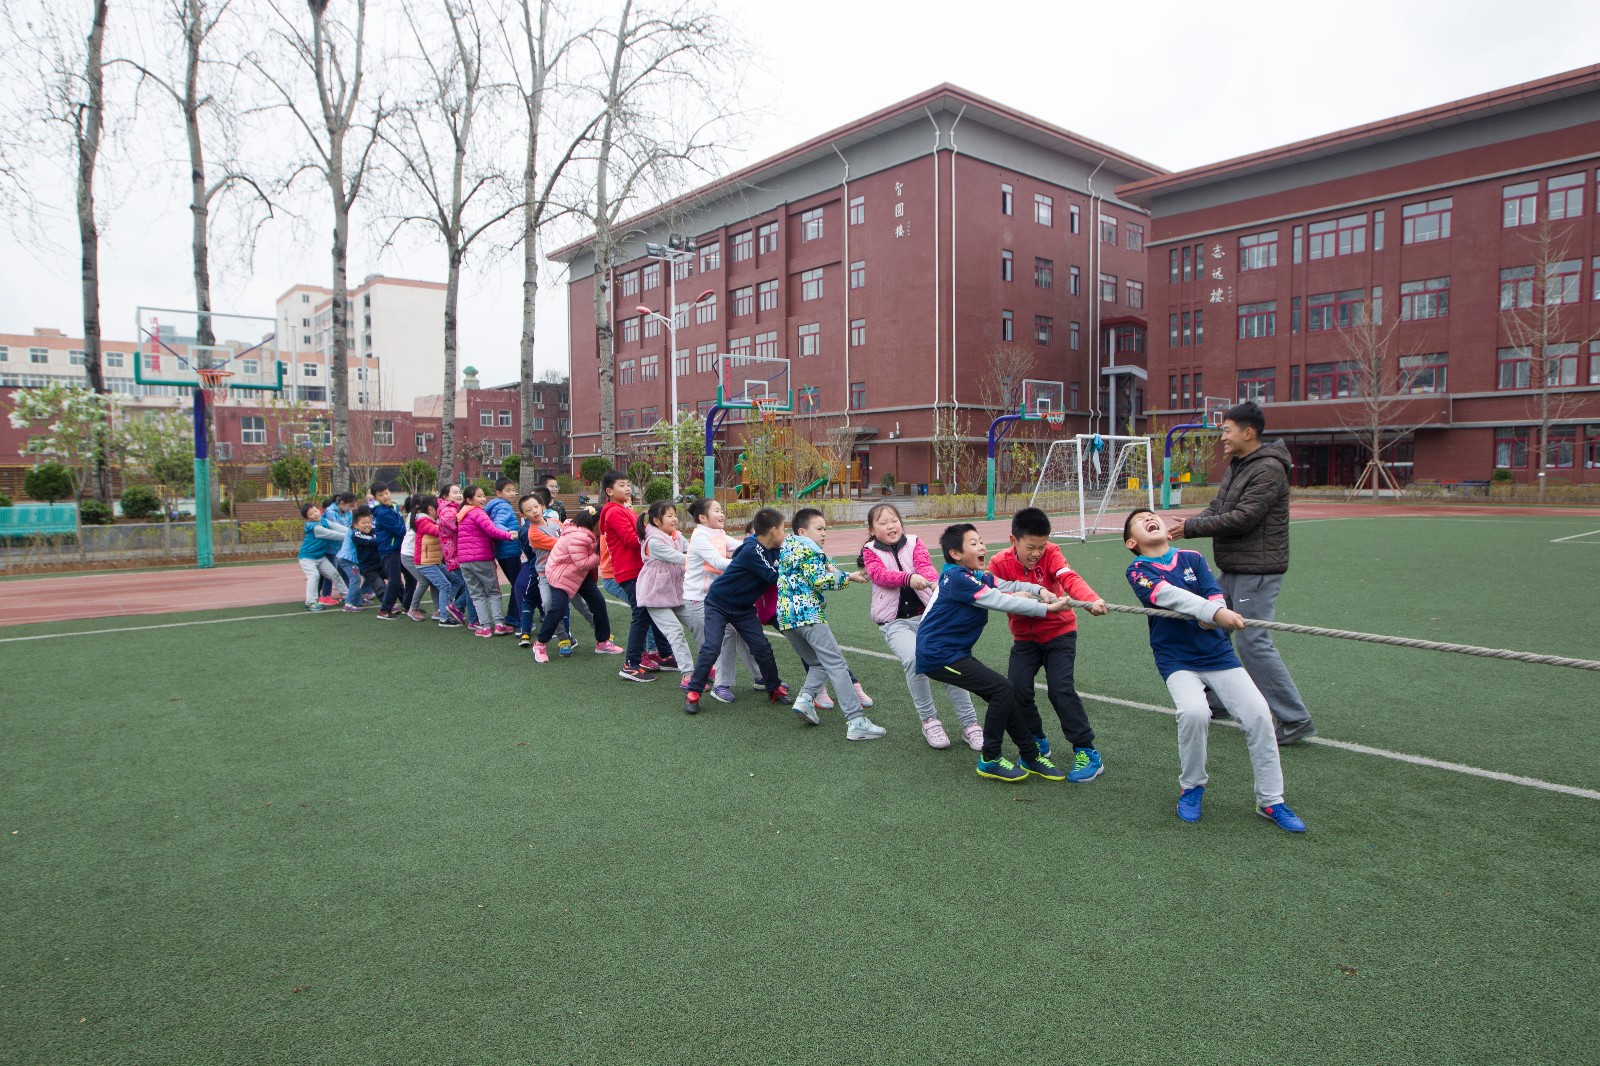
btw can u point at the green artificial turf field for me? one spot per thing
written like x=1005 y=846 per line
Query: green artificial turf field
x=318 y=838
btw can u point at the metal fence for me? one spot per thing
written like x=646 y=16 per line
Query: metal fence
x=147 y=543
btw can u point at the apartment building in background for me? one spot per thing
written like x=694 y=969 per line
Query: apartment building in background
x=1455 y=227
x=889 y=260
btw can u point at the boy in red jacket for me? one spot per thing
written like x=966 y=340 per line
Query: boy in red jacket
x=619 y=526
x=1050 y=641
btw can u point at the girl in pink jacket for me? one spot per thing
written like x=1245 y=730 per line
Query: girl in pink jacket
x=903 y=580
x=476 y=535
x=460 y=609
x=660 y=588
x=571 y=571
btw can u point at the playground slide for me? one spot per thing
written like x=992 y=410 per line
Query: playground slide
x=809 y=489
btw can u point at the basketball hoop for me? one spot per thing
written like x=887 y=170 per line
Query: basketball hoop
x=1055 y=419
x=767 y=407
x=214 y=383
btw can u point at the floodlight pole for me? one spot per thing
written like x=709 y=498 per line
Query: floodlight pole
x=678 y=249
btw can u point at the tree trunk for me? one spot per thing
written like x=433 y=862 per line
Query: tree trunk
x=605 y=342
x=339 y=359
x=447 y=416
x=200 y=211
x=89 y=123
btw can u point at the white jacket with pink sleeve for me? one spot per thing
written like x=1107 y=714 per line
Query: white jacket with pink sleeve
x=890 y=569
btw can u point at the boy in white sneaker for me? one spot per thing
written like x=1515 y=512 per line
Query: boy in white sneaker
x=1195 y=655
x=804 y=573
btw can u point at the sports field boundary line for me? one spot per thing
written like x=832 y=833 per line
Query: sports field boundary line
x=1575 y=536
x=1342 y=745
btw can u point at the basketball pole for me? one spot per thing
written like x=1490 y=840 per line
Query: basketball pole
x=1166 y=461
x=203 y=559
x=997 y=429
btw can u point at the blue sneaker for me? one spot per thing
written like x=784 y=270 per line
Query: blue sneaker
x=1189 y=803
x=565 y=647
x=1001 y=769
x=1039 y=766
x=1086 y=765
x=1283 y=817
x=1043 y=744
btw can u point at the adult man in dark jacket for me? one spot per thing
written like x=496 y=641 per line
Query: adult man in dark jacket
x=1248 y=523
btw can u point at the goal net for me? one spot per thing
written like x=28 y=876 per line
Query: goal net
x=1095 y=481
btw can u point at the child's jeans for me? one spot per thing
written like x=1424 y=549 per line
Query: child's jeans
x=416 y=585
x=745 y=623
x=397 y=584
x=588 y=594
x=317 y=569
x=443 y=591
x=1056 y=656
x=614 y=587
x=1002 y=717
x=824 y=662
x=901 y=636
x=525 y=596
x=461 y=598
x=640 y=627
x=352 y=580
x=1245 y=702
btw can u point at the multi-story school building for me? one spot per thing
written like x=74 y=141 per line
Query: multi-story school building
x=1469 y=233
x=906 y=261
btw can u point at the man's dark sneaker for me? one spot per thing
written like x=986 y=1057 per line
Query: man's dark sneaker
x=691 y=703
x=1294 y=732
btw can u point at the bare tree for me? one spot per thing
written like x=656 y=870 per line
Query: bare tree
x=341 y=131
x=1374 y=374
x=56 y=99
x=179 y=77
x=438 y=141
x=536 y=55
x=661 y=114
x=1538 y=307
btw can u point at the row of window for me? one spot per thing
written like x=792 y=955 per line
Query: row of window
x=1044 y=330
x=1423 y=221
x=1418 y=374
x=1514 y=446
x=746 y=300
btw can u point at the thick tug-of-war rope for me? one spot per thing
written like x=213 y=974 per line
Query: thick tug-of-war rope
x=1372 y=638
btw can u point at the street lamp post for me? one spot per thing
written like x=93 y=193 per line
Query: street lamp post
x=678 y=249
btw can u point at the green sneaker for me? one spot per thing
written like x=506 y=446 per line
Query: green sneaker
x=1001 y=769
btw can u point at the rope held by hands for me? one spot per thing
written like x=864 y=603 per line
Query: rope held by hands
x=1371 y=638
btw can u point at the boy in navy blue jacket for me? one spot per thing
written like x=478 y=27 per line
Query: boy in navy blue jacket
x=731 y=601
x=390 y=529
x=368 y=559
x=951 y=626
x=1194 y=655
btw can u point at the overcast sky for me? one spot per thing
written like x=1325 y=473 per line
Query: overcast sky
x=1187 y=84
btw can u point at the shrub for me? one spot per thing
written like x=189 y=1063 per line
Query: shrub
x=692 y=490
x=418 y=475
x=292 y=475
x=484 y=482
x=48 y=482
x=594 y=468
x=276 y=531
x=638 y=472
x=1502 y=475
x=511 y=467
x=658 y=488
x=94 y=513
x=5 y=501
x=565 y=483
x=887 y=484
x=140 y=502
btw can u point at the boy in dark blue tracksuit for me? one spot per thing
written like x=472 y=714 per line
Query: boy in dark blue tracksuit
x=951 y=626
x=390 y=530
x=731 y=601
x=502 y=511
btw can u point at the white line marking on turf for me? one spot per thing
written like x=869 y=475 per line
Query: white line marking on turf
x=1575 y=536
x=164 y=625
x=1360 y=749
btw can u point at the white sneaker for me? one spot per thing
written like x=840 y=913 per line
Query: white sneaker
x=863 y=729
x=973 y=735
x=803 y=706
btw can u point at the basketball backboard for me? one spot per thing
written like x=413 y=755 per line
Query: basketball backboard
x=1040 y=399
x=170 y=350
x=748 y=381
x=1215 y=408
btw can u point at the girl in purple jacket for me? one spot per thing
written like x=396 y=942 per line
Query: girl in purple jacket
x=903 y=580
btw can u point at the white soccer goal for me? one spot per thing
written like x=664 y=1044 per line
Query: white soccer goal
x=1089 y=476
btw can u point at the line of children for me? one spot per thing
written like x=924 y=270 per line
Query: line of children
x=709 y=588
